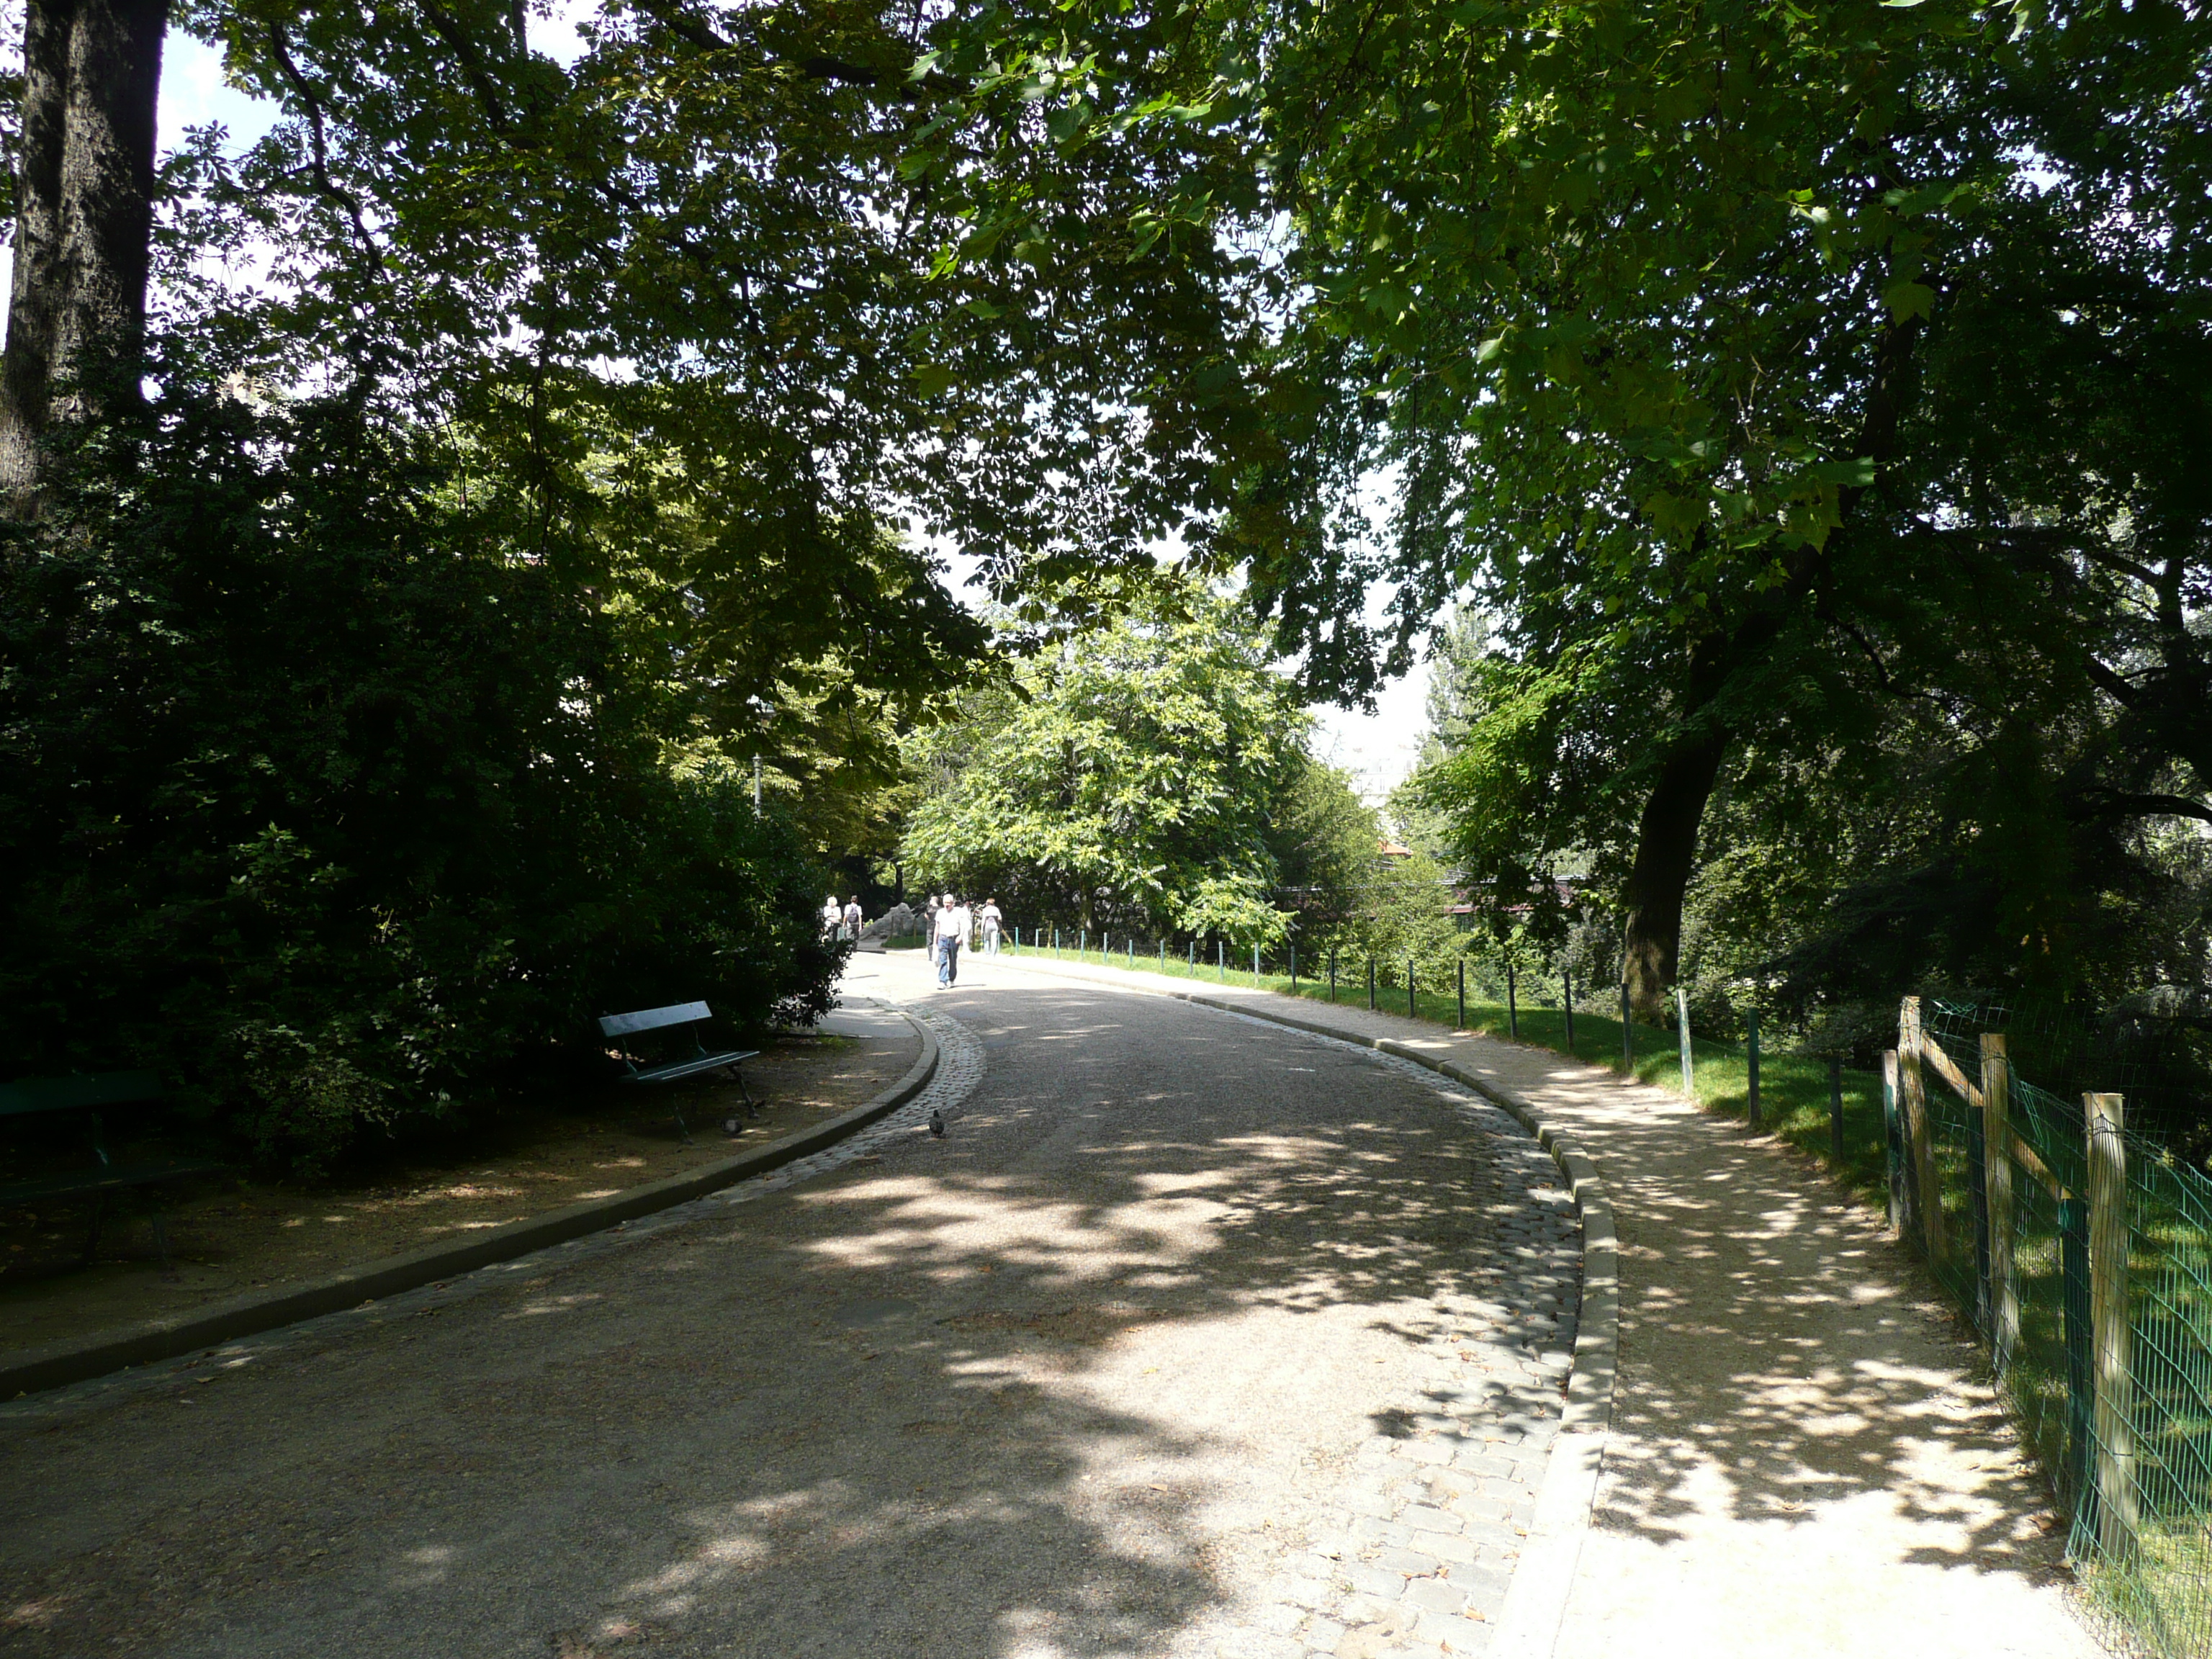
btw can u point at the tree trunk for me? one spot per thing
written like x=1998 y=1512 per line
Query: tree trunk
x=1666 y=852
x=84 y=215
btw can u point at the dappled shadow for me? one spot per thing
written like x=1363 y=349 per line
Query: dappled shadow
x=1072 y=1380
x=1782 y=1365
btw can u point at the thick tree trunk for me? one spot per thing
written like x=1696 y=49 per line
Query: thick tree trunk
x=76 y=317
x=1666 y=853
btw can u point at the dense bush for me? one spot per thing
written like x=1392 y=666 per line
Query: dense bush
x=324 y=795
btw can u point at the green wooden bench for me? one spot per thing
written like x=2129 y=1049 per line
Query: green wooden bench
x=696 y=1064
x=89 y=1093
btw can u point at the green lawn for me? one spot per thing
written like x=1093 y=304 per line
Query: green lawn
x=1793 y=1090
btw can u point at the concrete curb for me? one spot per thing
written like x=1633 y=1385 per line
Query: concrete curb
x=61 y=1363
x=1536 y=1601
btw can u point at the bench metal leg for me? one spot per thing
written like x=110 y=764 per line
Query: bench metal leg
x=738 y=1072
x=681 y=1128
x=161 y=1245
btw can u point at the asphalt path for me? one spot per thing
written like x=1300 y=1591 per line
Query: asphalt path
x=1151 y=1354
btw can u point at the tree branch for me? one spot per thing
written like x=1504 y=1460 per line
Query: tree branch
x=280 y=46
x=2114 y=685
x=472 y=65
x=2118 y=804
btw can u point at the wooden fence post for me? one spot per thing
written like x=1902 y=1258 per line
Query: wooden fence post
x=2115 y=1452
x=1682 y=1027
x=1920 y=1162
x=1997 y=1183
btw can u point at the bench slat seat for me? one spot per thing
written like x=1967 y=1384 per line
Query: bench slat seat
x=87 y=1093
x=691 y=1068
x=112 y=1179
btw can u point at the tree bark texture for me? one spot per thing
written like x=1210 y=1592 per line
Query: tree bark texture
x=76 y=316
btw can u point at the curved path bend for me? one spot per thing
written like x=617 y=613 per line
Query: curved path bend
x=1804 y=1459
x=1194 y=1336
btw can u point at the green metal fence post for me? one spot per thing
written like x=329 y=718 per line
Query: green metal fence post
x=1370 y=985
x=1892 y=1140
x=1751 y=1059
x=1255 y=965
x=1512 y=1005
x=1462 y=994
x=1682 y=1027
x=2074 y=1268
x=1836 y=1110
x=1332 y=978
x=1294 y=968
x=1567 y=1002
x=1412 y=1008
x=1221 y=961
x=1627 y=1034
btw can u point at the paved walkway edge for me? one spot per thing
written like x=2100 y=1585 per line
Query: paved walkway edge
x=61 y=1363
x=1536 y=1601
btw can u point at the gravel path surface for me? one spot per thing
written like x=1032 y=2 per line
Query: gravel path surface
x=1192 y=1336
x=1804 y=1459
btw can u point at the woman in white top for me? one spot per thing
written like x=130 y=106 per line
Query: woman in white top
x=991 y=922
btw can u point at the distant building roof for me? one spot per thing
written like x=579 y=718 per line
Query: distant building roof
x=1392 y=850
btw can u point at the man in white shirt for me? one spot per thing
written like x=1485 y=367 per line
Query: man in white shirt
x=953 y=923
x=832 y=915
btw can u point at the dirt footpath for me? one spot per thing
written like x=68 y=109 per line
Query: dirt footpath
x=232 y=1237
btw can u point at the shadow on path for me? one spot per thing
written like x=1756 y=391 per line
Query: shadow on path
x=1074 y=1380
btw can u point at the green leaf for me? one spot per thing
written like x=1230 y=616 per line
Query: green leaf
x=932 y=380
x=1906 y=299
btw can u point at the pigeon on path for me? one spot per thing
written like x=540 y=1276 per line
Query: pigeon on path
x=937 y=1123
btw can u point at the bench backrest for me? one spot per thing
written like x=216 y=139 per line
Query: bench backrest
x=64 y=1094
x=652 y=1019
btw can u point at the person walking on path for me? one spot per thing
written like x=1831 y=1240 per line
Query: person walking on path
x=833 y=916
x=855 y=919
x=992 y=921
x=953 y=922
x=929 y=911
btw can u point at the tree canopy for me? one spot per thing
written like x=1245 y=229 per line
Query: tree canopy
x=1765 y=374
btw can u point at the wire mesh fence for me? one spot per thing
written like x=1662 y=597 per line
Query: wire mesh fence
x=2083 y=1251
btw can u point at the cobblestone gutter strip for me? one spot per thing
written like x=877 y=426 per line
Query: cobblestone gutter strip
x=59 y=1363
x=1536 y=1601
